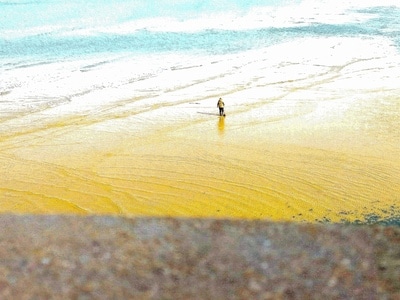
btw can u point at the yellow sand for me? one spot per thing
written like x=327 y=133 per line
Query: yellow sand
x=302 y=168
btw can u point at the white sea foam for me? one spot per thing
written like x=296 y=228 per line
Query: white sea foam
x=247 y=78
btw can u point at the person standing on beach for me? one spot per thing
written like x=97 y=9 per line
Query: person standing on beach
x=221 y=105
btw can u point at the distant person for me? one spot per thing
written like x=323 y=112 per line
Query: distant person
x=221 y=105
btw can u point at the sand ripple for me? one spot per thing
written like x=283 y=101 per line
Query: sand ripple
x=213 y=179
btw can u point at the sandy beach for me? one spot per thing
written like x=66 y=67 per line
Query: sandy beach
x=318 y=147
x=308 y=136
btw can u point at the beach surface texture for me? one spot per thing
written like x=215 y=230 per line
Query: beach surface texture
x=72 y=257
x=115 y=113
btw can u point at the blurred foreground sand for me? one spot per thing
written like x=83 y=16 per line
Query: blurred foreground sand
x=71 y=257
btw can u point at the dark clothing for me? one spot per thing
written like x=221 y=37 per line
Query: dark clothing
x=221 y=105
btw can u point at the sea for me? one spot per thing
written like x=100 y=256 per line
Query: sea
x=53 y=52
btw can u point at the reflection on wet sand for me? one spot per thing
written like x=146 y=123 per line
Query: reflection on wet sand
x=221 y=125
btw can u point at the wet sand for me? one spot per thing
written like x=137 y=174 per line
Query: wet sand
x=311 y=135
x=333 y=159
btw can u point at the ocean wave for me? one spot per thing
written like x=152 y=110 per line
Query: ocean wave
x=128 y=18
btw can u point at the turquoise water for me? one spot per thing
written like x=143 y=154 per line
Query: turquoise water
x=51 y=30
x=46 y=45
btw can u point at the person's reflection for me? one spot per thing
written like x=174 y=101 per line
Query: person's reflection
x=221 y=125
